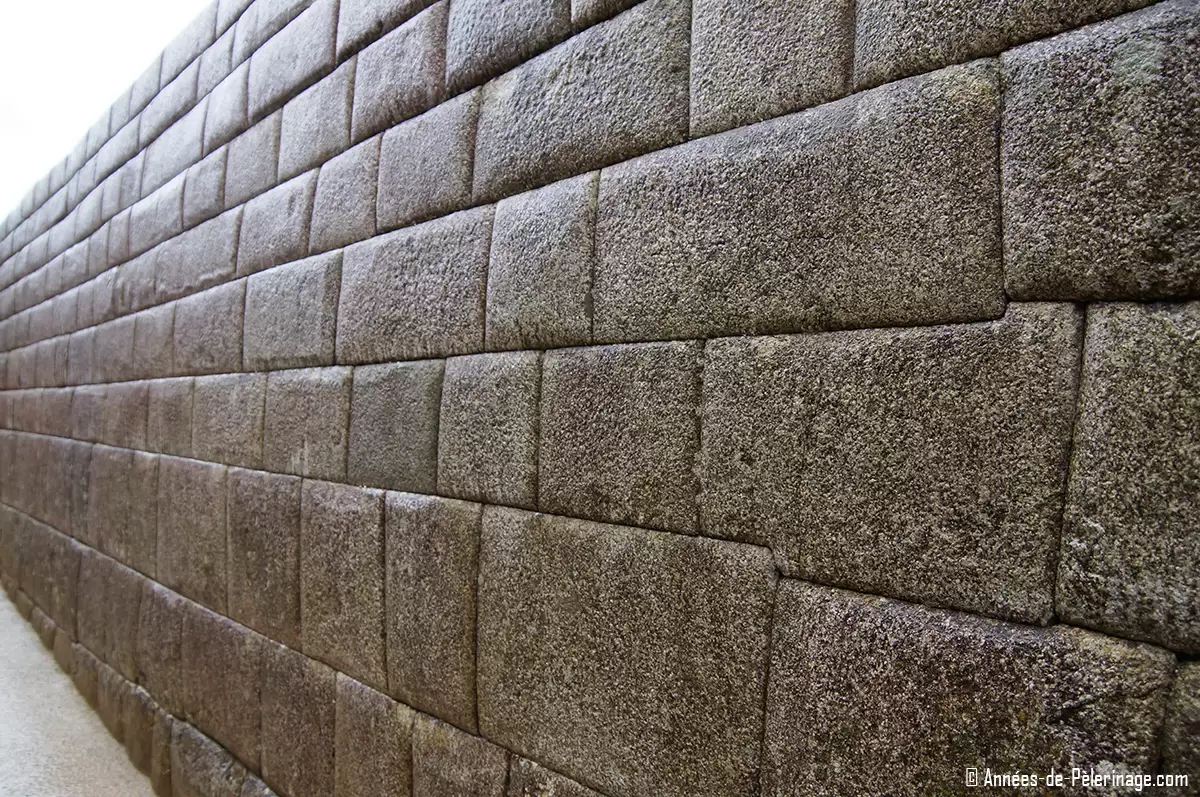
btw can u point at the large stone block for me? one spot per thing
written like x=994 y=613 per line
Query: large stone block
x=200 y=258
x=175 y=99
x=109 y=597
x=227 y=109
x=415 y=293
x=189 y=43
x=111 y=690
x=275 y=225
x=169 y=416
x=123 y=419
x=619 y=434
x=878 y=210
x=373 y=741
x=291 y=314
x=137 y=716
x=160 y=645
x=208 y=330
x=1130 y=558
x=204 y=189
x=394 y=426
x=191 y=530
x=316 y=124
x=227 y=418
x=852 y=675
x=362 y=21
x=487 y=37
x=85 y=673
x=1181 y=729
x=450 y=763
x=299 y=54
x=341 y=579
x=526 y=779
x=180 y=145
x=632 y=660
x=400 y=75
x=1101 y=166
x=153 y=344
x=344 y=208
x=614 y=91
x=306 y=423
x=215 y=64
x=432 y=562
x=260 y=21
x=299 y=697
x=252 y=163
x=160 y=754
x=200 y=767
x=112 y=351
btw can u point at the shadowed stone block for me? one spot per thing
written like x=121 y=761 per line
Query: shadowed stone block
x=227 y=107
x=373 y=742
x=253 y=161
x=1101 y=167
x=878 y=210
x=852 y=674
x=432 y=561
x=123 y=419
x=111 y=689
x=159 y=645
x=525 y=778
x=208 y=330
x=450 y=763
x=227 y=418
x=191 y=530
x=298 y=706
x=160 y=754
x=362 y=21
x=1180 y=752
x=169 y=416
x=344 y=207
x=619 y=435
x=1130 y=558
x=400 y=75
x=137 y=713
x=264 y=553
x=488 y=37
x=487 y=433
x=394 y=426
x=64 y=656
x=316 y=124
x=634 y=660
x=200 y=767
x=291 y=314
x=306 y=422
x=86 y=673
x=299 y=54
x=612 y=92
x=204 y=189
x=202 y=257
x=275 y=225
x=341 y=579
x=153 y=345
x=834 y=450
x=109 y=605
x=123 y=505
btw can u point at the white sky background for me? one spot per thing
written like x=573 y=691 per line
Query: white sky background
x=62 y=64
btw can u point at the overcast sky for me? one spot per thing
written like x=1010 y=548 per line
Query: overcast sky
x=62 y=63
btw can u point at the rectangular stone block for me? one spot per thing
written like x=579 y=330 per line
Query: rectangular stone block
x=160 y=754
x=344 y=206
x=291 y=314
x=373 y=742
x=191 y=530
x=879 y=210
x=401 y=75
x=394 y=426
x=133 y=283
x=629 y=659
x=299 y=54
x=306 y=422
x=204 y=189
x=208 y=330
x=415 y=293
x=488 y=428
x=1101 y=170
x=202 y=768
x=612 y=92
x=316 y=124
x=227 y=109
x=160 y=645
x=111 y=689
x=227 y=418
x=86 y=673
x=109 y=596
x=180 y=145
x=107 y=496
x=852 y=674
x=253 y=161
x=169 y=416
x=123 y=419
x=425 y=164
x=526 y=777
x=450 y=763
x=1181 y=728
x=341 y=579
x=200 y=258
x=112 y=350
x=1128 y=564
x=176 y=98
x=153 y=342
x=260 y=22
x=299 y=698
x=362 y=21
x=926 y=464
x=486 y=38
x=137 y=717
x=215 y=64
x=275 y=225
x=86 y=406
x=432 y=567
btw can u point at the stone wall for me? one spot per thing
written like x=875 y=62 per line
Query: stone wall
x=601 y=397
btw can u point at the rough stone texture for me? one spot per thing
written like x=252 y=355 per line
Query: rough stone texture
x=527 y=779
x=227 y=105
x=169 y=416
x=202 y=257
x=362 y=21
x=488 y=429
x=415 y=293
x=1181 y=753
x=393 y=435
x=1130 y=559
x=253 y=161
x=540 y=267
x=373 y=742
x=301 y=52
x=306 y=422
x=610 y=93
x=619 y=434
x=181 y=145
x=208 y=330
x=191 y=530
x=227 y=418
x=1101 y=170
x=260 y=22
x=153 y=345
x=160 y=645
x=200 y=767
x=879 y=210
x=400 y=75
x=629 y=659
x=487 y=37
x=109 y=604
x=160 y=754
x=344 y=208
x=341 y=579
x=137 y=718
x=316 y=124
x=852 y=675
x=291 y=314
x=298 y=705
x=111 y=689
x=755 y=60
x=432 y=559
x=450 y=763
x=275 y=225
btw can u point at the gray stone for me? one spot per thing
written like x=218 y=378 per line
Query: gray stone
x=760 y=59
x=215 y=64
x=450 y=763
x=316 y=124
x=153 y=344
x=540 y=267
x=208 y=330
x=227 y=115
x=299 y=54
x=227 y=418
x=200 y=258
x=158 y=216
x=112 y=353
x=341 y=579
x=107 y=496
x=262 y=20
x=137 y=715
x=204 y=189
x=291 y=314
x=394 y=426
x=852 y=675
x=488 y=428
x=362 y=21
x=612 y=92
x=86 y=405
x=528 y=779
x=344 y=207
x=487 y=37
x=118 y=238
x=200 y=767
x=169 y=417
x=275 y=225
x=373 y=741
x=425 y=164
x=180 y=145
x=253 y=787
x=189 y=43
x=306 y=422
x=111 y=689
x=142 y=91
x=1130 y=558
x=432 y=564
x=416 y=293
x=1101 y=168
x=401 y=75
x=1181 y=730
x=123 y=419
x=86 y=672
x=159 y=645
x=878 y=210
x=176 y=98
x=160 y=754
x=133 y=286
x=628 y=659
x=619 y=434
x=191 y=530
x=299 y=699
x=253 y=160
x=230 y=11
x=109 y=597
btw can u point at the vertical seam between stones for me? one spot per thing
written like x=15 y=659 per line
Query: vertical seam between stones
x=475 y=623
x=768 y=659
x=698 y=413
x=537 y=432
x=1069 y=461
x=487 y=273
x=851 y=27
x=589 y=305
x=1001 y=246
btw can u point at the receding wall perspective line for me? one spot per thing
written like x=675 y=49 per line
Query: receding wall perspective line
x=604 y=398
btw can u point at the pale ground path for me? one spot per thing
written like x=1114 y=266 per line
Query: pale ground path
x=51 y=743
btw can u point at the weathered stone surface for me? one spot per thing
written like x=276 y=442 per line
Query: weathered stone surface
x=488 y=428
x=525 y=779
x=540 y=267
x=344 y=207
x=123 y=419
x=450 y=763
x=169 y=417
x=373 y=742
x=79 y=356
x=109 y=596
x=298 y=706
x=298 y=55
x=432 y=561
x=316 y=124
x=153 y=344
x=619 y=434
x=852 y=675
x=111 y=689
x=425 y=164
x=215 y=64
x=760 y=59
x=177 y=97
x=86 y=673
x=112 y=353
x=260 y=22
x=200 y=258
x=200 y=767
x=394 y=426
x=204 y=189
x=208 y=330
x=227 y=106
x=400 y=75
x=253 y=787
x=612 y=92
x=1101 y=169
x=180 y=145
x=133 y=286
x=190 y=42
x=253 y=161
x=879 y=210
x=1180 y=751
x=275 y=225
x=160 y=754
x=191 y=530
x=291 y=314
x=43 y=626
x=633 y=660
x=122 y=505
x=1130 y=558
x=227 y=417
x=159 y=645
x=362 y=21
x=341 y=579
x=137 y=717
x=306 y=422
x=487 y=37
